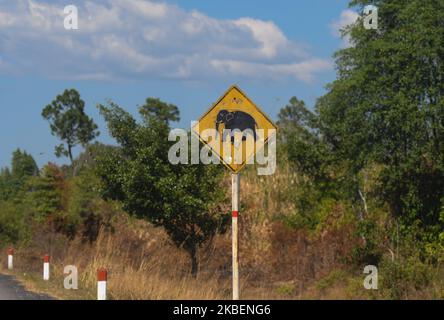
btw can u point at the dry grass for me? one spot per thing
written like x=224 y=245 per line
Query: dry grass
x=275 y=263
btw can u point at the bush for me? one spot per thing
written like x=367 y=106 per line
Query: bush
x=86 y=211
x=368 y=251
x=13 y=228
x=401 y=278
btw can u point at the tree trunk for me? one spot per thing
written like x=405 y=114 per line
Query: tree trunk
x=70 y=154
x=363 y=212
x=72 y=160
x=364 y=204
x=194 y=263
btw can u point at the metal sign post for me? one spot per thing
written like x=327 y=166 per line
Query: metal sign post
x=235 y=183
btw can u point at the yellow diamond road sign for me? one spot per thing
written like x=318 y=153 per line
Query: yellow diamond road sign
x=235 y=129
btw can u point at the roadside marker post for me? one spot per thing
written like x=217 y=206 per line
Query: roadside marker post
x=10 y=258
x=235 y=113
x=46 y=267
x=102 y=278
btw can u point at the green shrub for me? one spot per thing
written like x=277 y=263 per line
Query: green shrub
x=13 y=227
x=286 y=289
x=400 y=278
x=333 y=277
x=368 y=251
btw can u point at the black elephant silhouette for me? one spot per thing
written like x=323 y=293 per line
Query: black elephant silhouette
x=236 y=120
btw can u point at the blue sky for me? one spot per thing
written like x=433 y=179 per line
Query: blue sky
x=184 y=52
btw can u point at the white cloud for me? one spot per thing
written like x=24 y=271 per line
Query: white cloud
x=147 y=9
x=303 y=70
x=137 y=38
x=6 y=19
x=347 y=18
x=266 y=33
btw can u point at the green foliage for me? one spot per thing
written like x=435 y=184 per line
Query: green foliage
x=6 y=184
x=303 y=146
x=375 y=142
x=331 y=279
x=69 y=122
x=48 y=203
x=155 y=108
x=322 y=184
x=369 y=251
x=308 y=204
x=301 y=138
x=12 y=181
x=138 y=173
x=23 y=165
x=386 y=106
x=13 y=227
x=86 y=212
x=400 y=278
x=286 y=289
x=44 y=196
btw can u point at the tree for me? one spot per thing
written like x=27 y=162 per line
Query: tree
x=178 y=197
x=13 y=226
x=387 y=107
x=86 y=211
x=23 y=165
x=45 y=193
x=304 y=150
x=69 y=122
x=12 y=180
x=156 y=108
x=6 y=188
x=44 y=199
x=296 y=116
x=301 y=137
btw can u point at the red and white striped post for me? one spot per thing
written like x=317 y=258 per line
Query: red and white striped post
x=102 y=277
x=10 y=258
x=235 y=183
x=46 y=267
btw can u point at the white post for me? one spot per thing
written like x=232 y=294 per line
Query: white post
x=46 y=268
x=102 y=277
x=235 y=183
x=10 y=258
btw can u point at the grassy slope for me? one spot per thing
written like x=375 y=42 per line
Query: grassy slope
x=276 y=262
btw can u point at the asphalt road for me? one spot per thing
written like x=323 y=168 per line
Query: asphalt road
x=11 y=289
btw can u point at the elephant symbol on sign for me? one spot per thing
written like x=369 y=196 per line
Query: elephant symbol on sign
x=236 y=120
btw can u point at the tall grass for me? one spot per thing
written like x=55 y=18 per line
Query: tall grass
x=144 y=264
x=276 y=261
